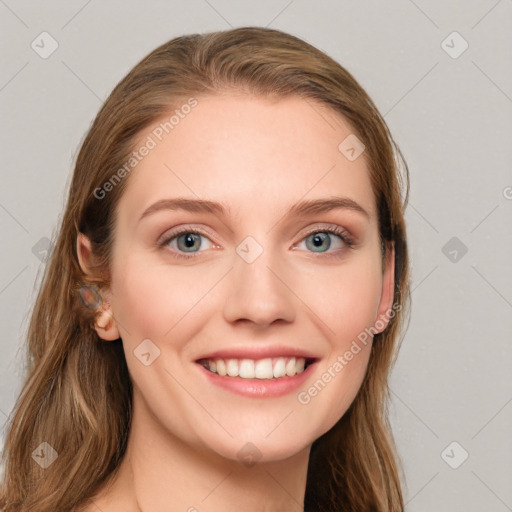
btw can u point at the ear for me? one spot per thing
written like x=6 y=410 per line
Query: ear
x=105 y=324
x=388 y=289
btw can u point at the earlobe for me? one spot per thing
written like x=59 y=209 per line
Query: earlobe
x=105 y=324
x=388 y=289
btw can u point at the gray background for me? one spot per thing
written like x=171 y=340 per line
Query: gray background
x=450 y=112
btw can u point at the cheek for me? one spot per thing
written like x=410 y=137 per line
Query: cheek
x=145 y=304
x=349 y=303
x=356 y=311
x=155 y=301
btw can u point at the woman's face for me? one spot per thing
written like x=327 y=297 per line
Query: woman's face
x=259 y=281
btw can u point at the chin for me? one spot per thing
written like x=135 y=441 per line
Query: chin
x=261 y=449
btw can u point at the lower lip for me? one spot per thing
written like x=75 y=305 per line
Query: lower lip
x=259 y=388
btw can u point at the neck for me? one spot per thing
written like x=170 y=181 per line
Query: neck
x=160 y=471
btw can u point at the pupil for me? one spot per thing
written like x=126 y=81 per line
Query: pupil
x=319 y=239
x=190 y=239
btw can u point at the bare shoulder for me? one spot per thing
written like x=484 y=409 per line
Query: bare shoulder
x=100 y=502
x=89 y=507
x=97 y=504
x=116 y=494
x=110 y=499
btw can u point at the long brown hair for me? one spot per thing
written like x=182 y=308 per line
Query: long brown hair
x=77 y=392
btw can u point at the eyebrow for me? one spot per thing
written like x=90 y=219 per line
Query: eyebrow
x=303 y=208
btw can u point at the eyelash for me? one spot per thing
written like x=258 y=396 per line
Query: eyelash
x=342 y=233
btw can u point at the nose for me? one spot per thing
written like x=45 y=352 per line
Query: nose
x=259 y=291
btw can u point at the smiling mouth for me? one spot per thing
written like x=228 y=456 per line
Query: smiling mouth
x=266 y=368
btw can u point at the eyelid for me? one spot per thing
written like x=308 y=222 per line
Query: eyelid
x=203 y=230
x=341 y=232
x=347 y=239
x=185 y=228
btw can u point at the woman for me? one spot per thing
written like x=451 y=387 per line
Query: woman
x=220 y=313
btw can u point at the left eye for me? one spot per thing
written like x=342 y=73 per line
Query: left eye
x=322 y=240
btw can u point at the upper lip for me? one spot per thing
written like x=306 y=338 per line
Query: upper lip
x=259 y=352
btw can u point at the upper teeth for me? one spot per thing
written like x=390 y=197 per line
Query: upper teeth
x=260 y=369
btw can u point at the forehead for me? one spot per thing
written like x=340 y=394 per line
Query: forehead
x=250 y=153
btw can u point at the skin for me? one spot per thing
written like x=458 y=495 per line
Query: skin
x=185 y=435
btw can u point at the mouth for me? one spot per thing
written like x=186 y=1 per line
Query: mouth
x=269 y=368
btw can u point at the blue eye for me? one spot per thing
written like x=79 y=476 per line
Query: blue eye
x=189 y=241
x=318 y=239
x=185 y=239
x=322 y=239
